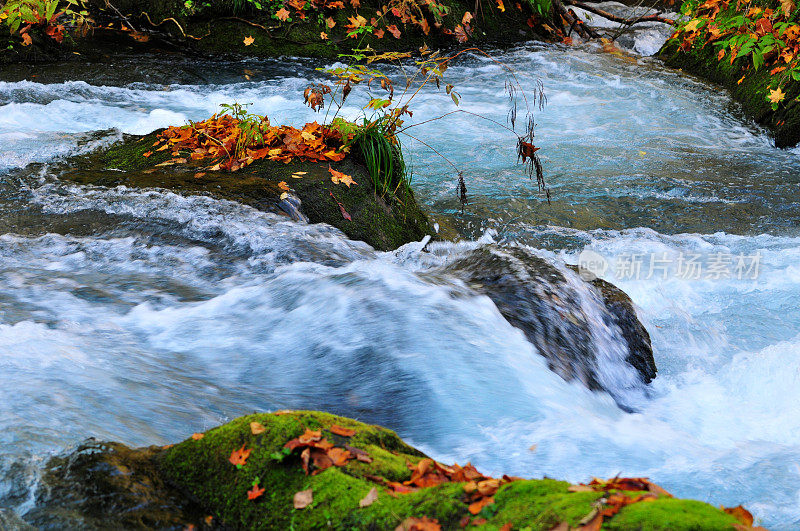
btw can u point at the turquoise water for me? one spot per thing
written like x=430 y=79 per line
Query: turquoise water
x=145 y=316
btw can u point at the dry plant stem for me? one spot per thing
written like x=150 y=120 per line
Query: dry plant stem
x=504 y=126
x=620 y=20
x=433 y=149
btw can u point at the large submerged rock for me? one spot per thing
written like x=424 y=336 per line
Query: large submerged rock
x=194 y=483
x=587 y=331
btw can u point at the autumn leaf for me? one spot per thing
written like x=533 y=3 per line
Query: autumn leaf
x=338 y=430
x=476 y=507
x=282 y=14
x=379 y=33
x=741 y=514
x=693 y=25
x=330 y=22
x=500 y=6
x=147 y=154
x=255 y=492
x=256 y=427
x=303 y=499
x=393 y=30
x=467 y=18
x=323 y=35
x=249 y=40
x=419 y=524
x=460 y=33
x=776 y=96
x=369 y=499
x=339 y=177
x=787 y=6
x=198 y=436
x=239 y=457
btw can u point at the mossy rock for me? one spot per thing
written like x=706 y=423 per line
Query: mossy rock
x=383 y=222
x=747 y=86
x=214 y=491
x=201 y=468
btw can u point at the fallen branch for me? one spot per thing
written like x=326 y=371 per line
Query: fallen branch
x=614 y=18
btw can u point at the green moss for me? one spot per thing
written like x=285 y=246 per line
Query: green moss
x=747 y=86
x=668 y=514
x=200 y=468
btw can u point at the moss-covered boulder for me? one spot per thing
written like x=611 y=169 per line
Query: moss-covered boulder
x=364 y=491
x=383 y=222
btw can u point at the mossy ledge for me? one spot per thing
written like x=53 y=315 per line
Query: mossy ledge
x=383 y=223
x=751 y=92
x=215 y=491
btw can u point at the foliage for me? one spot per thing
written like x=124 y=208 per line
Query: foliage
x=50 y=16
x=235 y=139
x=769 y=37
x=382 y=121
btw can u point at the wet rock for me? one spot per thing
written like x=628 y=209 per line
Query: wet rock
x=109 y=486
x=385 y=223
x=588 y=332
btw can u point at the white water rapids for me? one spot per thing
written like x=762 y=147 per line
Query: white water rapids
x=143 y=316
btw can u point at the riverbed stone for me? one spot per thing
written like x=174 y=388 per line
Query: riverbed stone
x=383 y=222
x=111 y=483
x=536 y=297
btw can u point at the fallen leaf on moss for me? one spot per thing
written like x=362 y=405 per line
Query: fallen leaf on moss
x=282 y=14
x=199 y=175
x=339 y=177
x=740 y=513
x=255 y=492
x=580 y=488
x=257 y=427
x=419 y=524
x=338 y=430
x=369 y=499
x=198 y=436
x=476 y=507
x=285 y=187
x=248 y=41
x=303 y=499
x=239 y=457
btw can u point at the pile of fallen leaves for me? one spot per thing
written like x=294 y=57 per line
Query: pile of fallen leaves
x=768 y=37
x=231 y=144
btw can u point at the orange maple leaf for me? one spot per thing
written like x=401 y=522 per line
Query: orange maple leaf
x=239 y=457
x=249 y=40
x=282 y=14
x=255 y=492
x=339 y=177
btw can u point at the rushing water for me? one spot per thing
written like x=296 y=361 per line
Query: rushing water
x=143 y=316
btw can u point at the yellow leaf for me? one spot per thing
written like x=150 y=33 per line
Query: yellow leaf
x=308 y=136
x=323 y=35
x=282 y=14
x=284 y=195
x=740 y=80
x=692 y=25
x=500 y=6
x=285 y=187
x=776 y=95
x=249 y=40
x=274 y=152
x=339 y=177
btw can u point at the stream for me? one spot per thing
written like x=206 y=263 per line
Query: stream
x=145 y=316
